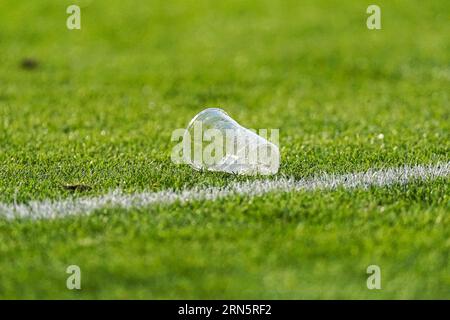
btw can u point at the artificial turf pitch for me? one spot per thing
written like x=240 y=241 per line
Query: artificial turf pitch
x=83 y=112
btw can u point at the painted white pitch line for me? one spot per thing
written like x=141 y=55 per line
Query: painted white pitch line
x=49 y=209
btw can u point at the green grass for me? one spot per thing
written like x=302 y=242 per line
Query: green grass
x=101 y=105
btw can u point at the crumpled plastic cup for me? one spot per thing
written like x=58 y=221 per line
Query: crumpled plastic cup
x=216 y=142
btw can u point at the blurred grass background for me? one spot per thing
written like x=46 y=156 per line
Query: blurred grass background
x=135 y=72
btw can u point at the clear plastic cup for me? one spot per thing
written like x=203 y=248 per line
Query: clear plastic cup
x=216 y=142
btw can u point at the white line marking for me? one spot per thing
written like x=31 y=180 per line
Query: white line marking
x=49 y=209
